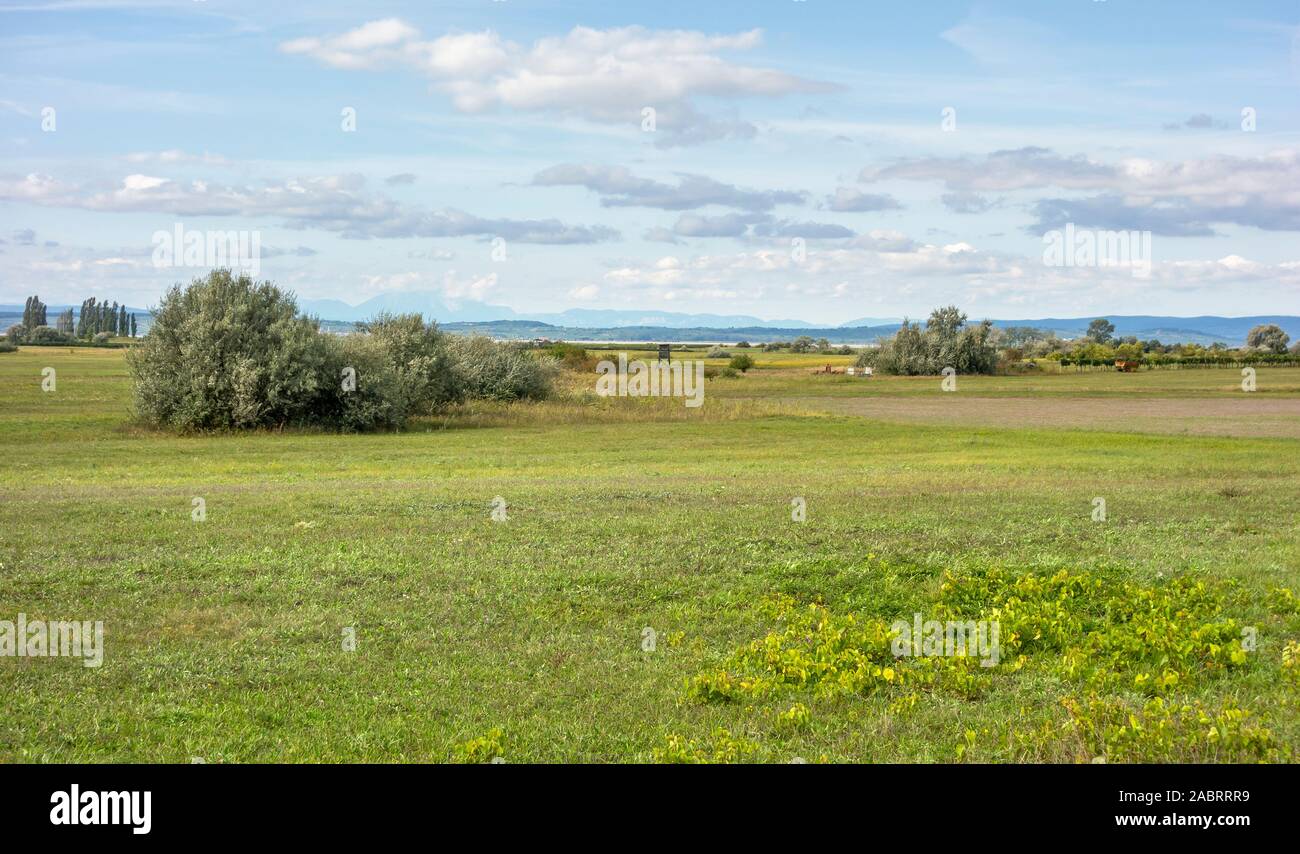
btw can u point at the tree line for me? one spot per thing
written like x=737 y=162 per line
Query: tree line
x=97 y=321
x=949 y=341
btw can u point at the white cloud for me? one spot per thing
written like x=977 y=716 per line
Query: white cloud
x=959 y=272
x=605 y=76
x=1175 y=197
x=472 y=288
x=336 y=203
x=618 y=187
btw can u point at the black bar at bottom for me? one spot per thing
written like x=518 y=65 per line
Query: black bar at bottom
x=335 y=803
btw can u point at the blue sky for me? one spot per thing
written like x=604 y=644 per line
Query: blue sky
x=799 y=166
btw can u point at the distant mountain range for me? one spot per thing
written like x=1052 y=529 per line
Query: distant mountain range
x=1169 y=330
x=618 y=325
x=430 y=305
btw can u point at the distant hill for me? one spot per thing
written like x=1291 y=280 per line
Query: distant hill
x=466 y=311
x=529 y=329
x=873 y=321
x=622 y=325
x=1206 y=329
x=1168 y=330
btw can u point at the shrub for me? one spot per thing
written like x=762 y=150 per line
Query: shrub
x=571 y=357
x=420 y=354
x=14 y=334
x=494 y=371
x=6 y=347
x=102 y=337
x=741 y=362
x=742 y=345
x=46 y=335
x=947 y=342
x=382 y=398
x=717 y=353
x=228 y=352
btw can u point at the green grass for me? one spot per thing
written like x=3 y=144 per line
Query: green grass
x=223 y=638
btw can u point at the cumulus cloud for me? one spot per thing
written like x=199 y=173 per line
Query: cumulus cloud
x=850 y=199
x=888 y=263
x=1200 y=121
x=618 y=187
x=176 y=155
x=659 y=234
x=605 y=76
x=1014 y=169
x=748 y=226
x=967 y=203
x=806 y=230
x=1186 y=197
x=475 y=288
x=336 y=203
x=281 y=251
x=724 y=225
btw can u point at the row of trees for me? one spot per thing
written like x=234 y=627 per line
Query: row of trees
x=227 y=352
x=805 y=344
x=33 y=313
x=96 y=320
x=1100 y=346
x=96 y=317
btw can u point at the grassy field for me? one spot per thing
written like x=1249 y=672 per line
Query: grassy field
x=526 y=638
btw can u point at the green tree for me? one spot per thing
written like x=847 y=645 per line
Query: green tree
x=945 y=322
x=1101 y=330
x=1268 y=336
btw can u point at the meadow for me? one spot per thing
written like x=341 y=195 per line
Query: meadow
x=525 y=637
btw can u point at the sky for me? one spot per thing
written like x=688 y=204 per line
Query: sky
x=821 y=161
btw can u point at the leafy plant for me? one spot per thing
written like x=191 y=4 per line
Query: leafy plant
x=483 y=748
